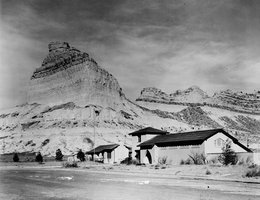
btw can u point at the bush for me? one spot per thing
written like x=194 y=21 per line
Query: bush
x=214 y=161
x=228 y=155
x=70 y=164
x=198 y=159
x=16 y=157
x=129 y=161
x=188 y=161
x=157 y=166
x=81 y=156
x=208 y=172
x=59 y=155
x=162 y=160
x=253 y=172
x=39 y=158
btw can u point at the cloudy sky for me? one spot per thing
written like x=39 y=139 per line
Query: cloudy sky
x=169 y=44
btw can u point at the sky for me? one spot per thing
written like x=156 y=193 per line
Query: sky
x=168 y=44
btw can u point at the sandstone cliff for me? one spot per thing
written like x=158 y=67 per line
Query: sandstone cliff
x=68 y=75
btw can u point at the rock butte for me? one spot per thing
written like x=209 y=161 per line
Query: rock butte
x=69 y=75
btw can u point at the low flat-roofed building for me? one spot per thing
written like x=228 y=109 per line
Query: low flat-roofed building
x=179 y=146
x=111 y=153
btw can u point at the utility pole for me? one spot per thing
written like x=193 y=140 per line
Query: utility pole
x=96 y=113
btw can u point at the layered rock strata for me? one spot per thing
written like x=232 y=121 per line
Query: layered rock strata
x=69 y=75
x=194 y=96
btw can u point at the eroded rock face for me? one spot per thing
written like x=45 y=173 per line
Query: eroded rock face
x=61 y=56
x=191 y=95
x=239 y=100
x=69 y=75
x=228 y=99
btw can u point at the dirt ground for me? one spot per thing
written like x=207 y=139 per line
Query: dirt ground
x=101 y=182
x=232 y=172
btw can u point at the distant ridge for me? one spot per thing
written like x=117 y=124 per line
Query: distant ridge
x=194 y=96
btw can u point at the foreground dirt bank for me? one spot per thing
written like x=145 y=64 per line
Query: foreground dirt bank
x=210 y=172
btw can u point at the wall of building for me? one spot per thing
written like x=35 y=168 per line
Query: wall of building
x=121 y=153
x=135 y=142
x=174 y=154
x=117 y=155
x=211 y=147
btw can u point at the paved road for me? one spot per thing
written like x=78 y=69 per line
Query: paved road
x=56 y=184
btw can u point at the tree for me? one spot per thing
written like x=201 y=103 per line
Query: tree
x=228 y=155
x=15 y=157
x=59 y=155
x=39 y=157
x=81 y=155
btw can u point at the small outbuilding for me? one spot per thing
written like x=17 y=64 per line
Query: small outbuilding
x=111 y=153
x=179 y=146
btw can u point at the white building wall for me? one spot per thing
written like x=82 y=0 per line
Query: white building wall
x=120 y=153
x=143 y=139
x=212 y=148
x=175 y=154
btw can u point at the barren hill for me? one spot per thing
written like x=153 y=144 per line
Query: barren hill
x=70 y=97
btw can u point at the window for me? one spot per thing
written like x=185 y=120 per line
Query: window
x=219 y=142
x=139 y=138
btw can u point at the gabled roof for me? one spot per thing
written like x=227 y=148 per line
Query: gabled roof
x=103 y=148
x=148 y=130
x=187 y=138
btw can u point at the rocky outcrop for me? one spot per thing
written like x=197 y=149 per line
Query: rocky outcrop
x=61 y=56
x=191 y=95
x=237 y=100
x=194 y=96
x=69 y=75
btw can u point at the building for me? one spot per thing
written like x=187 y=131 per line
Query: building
x=143 y=135
x=177 y=147
x=112 y=153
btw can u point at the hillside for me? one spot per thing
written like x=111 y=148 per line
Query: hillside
x=70 y=97
x=194 y=96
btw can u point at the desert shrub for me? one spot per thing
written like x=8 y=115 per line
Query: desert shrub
x=129 y=161
x=16 y=157
x=228 y=155
x=198 y=159
x=188 y=161
x=248 y=160
x=214 y=160
x=208 y=172
x=163 y=167
x=81 y=156
x=59 y=155
x=157 y=166
x=162 y=160
x=39 y=158
x=70 y=164
x=241 y=162
x=253 y=172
